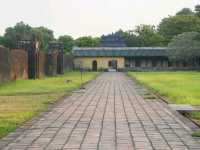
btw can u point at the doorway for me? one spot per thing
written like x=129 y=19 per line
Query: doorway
x=94 y=65
x=112 y=64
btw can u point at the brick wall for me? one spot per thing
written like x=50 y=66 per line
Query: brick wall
x=51 y=64
x=5 y=64
x=41 y=64
x=68 y=62
x=19 y=64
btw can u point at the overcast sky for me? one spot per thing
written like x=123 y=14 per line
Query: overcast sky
x=88 y=17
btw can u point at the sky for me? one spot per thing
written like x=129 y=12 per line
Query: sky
x=88 y=17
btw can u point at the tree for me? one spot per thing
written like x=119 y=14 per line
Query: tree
x=3 y=41
x=174 y=25
x=44 y=36
x=68 y=42
x=197 y=10
x=131 y=39
x=148 y=36
x=184 y=47
x=87 y=41
x=20 y=31
x=185 y=11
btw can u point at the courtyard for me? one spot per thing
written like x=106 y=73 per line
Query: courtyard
x=109 y=114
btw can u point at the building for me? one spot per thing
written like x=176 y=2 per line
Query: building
x=113 y=54
x=101 y=58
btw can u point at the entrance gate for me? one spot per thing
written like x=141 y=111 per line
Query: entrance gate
x=112 y=64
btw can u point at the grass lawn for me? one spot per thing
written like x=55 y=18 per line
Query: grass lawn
x=179 y=87
x=23 y=99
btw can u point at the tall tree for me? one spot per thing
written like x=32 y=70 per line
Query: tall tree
x=148 y=36
x=44 y=35
x=3 y=41
x=184 y=47
x=174 y=25
x=131 y=39
x=87 y=41
x=20 y=31
x=185 y=11
x=68 y=42
x=197 y=10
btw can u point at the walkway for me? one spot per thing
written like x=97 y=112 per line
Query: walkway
x=109 y=115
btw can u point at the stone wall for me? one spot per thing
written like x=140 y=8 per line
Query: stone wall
x=51 y=64
x=41 y=64
x=68 y=62
x=102 y=62
x=5 y=64
x=19 y=64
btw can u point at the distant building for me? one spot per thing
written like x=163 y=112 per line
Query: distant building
x=113 y=54
x=113 y=40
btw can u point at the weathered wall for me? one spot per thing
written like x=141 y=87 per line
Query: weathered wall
x=102 y=62
x=5 y=64
x=41 y=64
x=19 y=64
x=68 y=62
x=51 y=64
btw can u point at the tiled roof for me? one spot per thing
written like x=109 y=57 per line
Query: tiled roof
x=119 y=51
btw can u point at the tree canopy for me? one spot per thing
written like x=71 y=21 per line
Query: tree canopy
x=142 y=36
x=197 y=10
x=87 y=41
x=185 y=11
x=174 y=25
x=20 y=31
x=4 y=41
x=131 y=39
x=44 y=36
x=184 y=46
x=148 y=36
x=68 y=42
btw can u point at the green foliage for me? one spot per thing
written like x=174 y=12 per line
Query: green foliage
x=196 y=134
x=87 y=41
x=184 y=46
x=131 y=39
x=185 y=11
x=148 y=36
x=23 y=99
x=44 y=36
x=20 y=31
x=4 y=41
x=174 y=25
x=197 y=10
x=142 y=36
x=68 y=42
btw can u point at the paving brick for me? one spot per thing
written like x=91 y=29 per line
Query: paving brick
x=110 y=114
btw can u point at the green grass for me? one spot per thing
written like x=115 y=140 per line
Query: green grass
x=179 y=87
x=196 y=134
x=23 y=99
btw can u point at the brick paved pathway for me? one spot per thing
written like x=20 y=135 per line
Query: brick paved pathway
x=109 y=115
